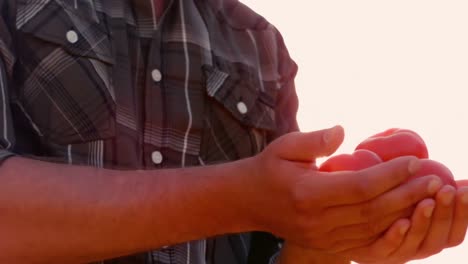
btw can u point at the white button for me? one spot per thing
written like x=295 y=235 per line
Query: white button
x=156 y=75
x=72 y=37
x=157 y=157
x=242 y=108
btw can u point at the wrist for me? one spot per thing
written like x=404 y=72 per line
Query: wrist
x=198 y=202
x=250 y=197
x=239 y=192
x=227 y=202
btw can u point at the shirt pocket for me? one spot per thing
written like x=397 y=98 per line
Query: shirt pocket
x=241 y=113
x=65 y=65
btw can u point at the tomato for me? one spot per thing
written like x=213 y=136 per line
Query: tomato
x=396 y=142
x=432 y=167
x=359 y=159
x=462 y=183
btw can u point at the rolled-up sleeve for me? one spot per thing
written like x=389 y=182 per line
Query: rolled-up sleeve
x=7 y=133
x=287 y=102
x=7 y=60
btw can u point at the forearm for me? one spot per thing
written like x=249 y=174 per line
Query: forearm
x=79 y=214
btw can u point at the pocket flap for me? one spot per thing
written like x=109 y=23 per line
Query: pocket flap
x=76 y=28
x=241 y=98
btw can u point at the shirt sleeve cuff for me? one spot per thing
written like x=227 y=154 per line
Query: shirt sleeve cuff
x=5 y=154
x=275 y=258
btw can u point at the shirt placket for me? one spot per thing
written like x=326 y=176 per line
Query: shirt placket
x=154 y=124
x=125 y=151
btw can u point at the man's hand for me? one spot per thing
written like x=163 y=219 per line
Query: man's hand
x=329 y=211
x=379 y=251
x=447 y=228
x=432 y=230
x=294 y=254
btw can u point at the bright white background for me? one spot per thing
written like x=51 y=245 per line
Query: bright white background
x=371 y=64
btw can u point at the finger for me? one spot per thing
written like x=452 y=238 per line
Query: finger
x=460 y=219
x=420 y=224
x=364 y=185
x=392 y=239
x=390 y=247
x=347 y=244
x=371 y=228
x=299 y=146
x=404 y=196
x=383 y=246
x=393 y=235
x=462 y=183
x=438 y=235
x=398 y=199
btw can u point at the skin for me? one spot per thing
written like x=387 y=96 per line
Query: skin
x=111 y=213
x=446 y=229
x=436 y=224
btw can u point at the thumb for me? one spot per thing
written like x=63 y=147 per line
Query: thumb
x=306 y=147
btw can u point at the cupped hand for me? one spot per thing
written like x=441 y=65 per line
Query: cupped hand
x=329 y=211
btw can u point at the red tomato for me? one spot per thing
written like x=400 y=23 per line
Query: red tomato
x=394 y=130
x=432 y=167
x=462 y=183
x=360 y=159
x=396 y=142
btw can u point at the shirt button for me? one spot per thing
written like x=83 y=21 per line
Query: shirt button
x=242 y=108
x=157 y=157
x=72 y=37
x=156 y=75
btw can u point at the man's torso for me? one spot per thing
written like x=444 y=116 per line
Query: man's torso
x=107 y=84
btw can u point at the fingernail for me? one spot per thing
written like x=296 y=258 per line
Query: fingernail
x=434 y=186
x=404 y=228
x=414 y=166
x=447 y=198
x=428 y=211
x=464 y=197
x=330 y=134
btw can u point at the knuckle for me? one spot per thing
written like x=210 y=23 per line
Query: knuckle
x=362 y=187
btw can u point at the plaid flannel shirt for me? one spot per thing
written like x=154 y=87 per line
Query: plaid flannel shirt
x=104 y=83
